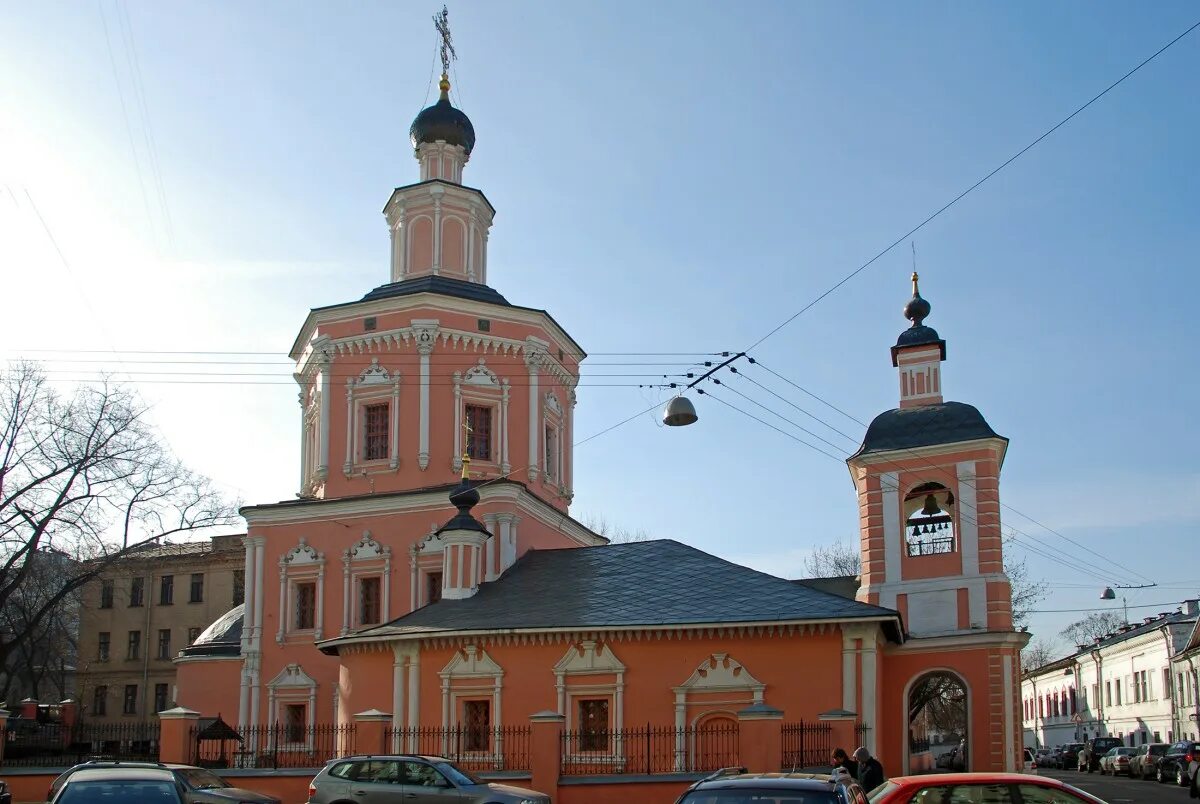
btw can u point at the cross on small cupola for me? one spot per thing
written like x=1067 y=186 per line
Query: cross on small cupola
x=464 y=539
x=918 y=354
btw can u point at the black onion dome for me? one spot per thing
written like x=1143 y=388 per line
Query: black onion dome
x=442 y=121
x=917 y=309
x=917 y=336
x=924 y=426
x=464 y=498
x=222 y=638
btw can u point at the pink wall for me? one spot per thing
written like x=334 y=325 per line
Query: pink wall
x=209 y=686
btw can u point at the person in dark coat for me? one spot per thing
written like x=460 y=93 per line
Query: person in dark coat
x=870 y=771
x=842 y=760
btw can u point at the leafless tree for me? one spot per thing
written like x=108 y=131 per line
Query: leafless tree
x=833 y=561
x=44 y=663
x=85 y=476
x=1096 y=624
x=940 y=700
x=839 y=559
x=1039 y=653
x=598 y=523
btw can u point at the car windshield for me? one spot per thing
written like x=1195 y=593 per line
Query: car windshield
x=1158 y=750
x=881 y=792
x=458 y=775
x=1127 y=751
x=123 y=791
x=200 y=779
x=743 y=795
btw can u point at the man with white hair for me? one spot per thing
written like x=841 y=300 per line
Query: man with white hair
x=870 y=771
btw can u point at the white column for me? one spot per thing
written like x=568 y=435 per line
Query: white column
x=283 y=604
x=413 y=579
x=533 y=358
x=345 y=592
x=560 y=689
x=304 y=456
x=251 y=589
x=869 y=714
x=456 y=458
x=394 y=454
x=325 y=359
x=680 y=726
x=425 y=333
x=349 y=464
x=414 y=694
x=320 y=597
x=437 y=236
x=505 y=392
x=260 y=547
x=568 y=452
x=445 y=708
x=386 y=584
x=397 y=695
x=849 y=672
x=492 y=546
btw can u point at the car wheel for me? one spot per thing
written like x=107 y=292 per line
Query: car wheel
x=1181 y=777
x=1161 y=779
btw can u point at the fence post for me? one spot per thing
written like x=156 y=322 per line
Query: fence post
x=760 y=738
x=176 y=735
x=545 y=752
x=370 y=732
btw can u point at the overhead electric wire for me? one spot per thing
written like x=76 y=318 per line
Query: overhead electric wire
x=970 y=189
x=1080 y=611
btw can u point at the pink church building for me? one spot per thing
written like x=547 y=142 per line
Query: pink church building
x=370 y=594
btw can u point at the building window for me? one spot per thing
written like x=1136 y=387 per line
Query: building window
x=1108 y=693
x=130 y=706
x=100 y=701
x=106 y=594
x=166 y=590
x=929 y=527
x=593 y=724
x=197 y=591
x=1074 y=706
x=160 y=697
x=551 y=453
x=306 y=606
x=479 y=434
x=137 y=590
x=477 y=722
x=103 y=641
x=294 y=722
x=368 y=600
x=1166 y=683
x=375 y=432
x=1118 y=692
x=135 y=645
x=164 y=643
x=194 y=634
x=433 y=587
x=239 y=587
x=1146 y=691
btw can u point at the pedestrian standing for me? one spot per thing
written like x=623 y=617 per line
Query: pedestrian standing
x=842 y=760
x=870 y=770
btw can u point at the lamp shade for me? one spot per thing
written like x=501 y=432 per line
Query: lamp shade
x=1108 y=594
x=679 y=412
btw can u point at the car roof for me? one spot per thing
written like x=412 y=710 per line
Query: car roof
x=974 y=778
x=359 y=757
x=788 y=781
x=111 y=774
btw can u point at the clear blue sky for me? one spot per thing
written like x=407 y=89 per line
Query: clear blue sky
x=669 y=177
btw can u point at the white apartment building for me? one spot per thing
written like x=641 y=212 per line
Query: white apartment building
x=1139 y=684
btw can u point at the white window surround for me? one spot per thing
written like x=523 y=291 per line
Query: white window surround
x=479 y=385
x=310 y=424
x=589 y=658
x=553 y=424
x=472 y=675
x=374 y=385
x=292 y=686
x=718 y=675
x=364 y=559
x=300 y=564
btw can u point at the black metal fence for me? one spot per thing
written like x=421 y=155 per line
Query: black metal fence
x=806 y=745
x=650 y=749
x=860 y=733
x=275 y=746
x=918 y=744
x=53 y=745
x=476 y=748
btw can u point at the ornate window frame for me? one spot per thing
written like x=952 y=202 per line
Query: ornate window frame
x=310 y=435
x=366 y=558
x=292 y=686
x=374 y=385
x=553 y=449
x=303 y=563
x=473 y=675
x=591 y=658
x=479 y=385
x=726 y=686
x=426 y=557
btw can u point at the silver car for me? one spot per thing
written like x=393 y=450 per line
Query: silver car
x=410 y=779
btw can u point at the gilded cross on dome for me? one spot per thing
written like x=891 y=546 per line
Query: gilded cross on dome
x=442 y=23
x=466 y=456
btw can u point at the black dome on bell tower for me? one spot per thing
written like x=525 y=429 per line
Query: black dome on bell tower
x=442 y=121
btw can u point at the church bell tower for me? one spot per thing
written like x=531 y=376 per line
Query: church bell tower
x=927 y=476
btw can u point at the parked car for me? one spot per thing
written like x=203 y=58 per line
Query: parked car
x=415 y=779
x=991 y=787
x=735 y=785
x=1144 y=764
x=1116 y=761
x=1044 y=757
x=1093 y=749
x=1178 y=762
x=947 y=760
x=5 y=793
x=1067 y=757
x=200 y=785
x=1030 y=763
x=126 y=785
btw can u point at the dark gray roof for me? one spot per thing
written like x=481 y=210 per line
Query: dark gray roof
x=841 y=585
x=222 y=638
x=446 y=286
x=651 y=583
x=925 y=425
x=920 y=335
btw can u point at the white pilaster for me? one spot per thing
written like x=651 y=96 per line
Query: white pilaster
x=1010 y=758
x=425 y=333
x=394 y=453
x=325 y=359
x=505 y=392
x=893 y=533
x=349 y=464
x=534 y=353
x=870 y=686
x=437 y=233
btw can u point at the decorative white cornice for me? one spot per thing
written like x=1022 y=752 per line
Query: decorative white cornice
x=720 y=672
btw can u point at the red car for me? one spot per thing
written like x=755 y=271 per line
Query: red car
x=993 y=788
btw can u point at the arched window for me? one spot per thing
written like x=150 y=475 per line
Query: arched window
x=929 y=524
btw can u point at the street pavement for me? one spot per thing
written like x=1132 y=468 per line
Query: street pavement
x=1122 y=790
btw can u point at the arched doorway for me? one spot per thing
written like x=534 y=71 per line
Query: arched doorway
x=714 y=742
x=938 y=712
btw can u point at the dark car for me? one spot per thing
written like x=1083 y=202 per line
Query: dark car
x=199 y=785
x=1175 y=765
x=5 y=793
x=1093 y=749
x=735 y=785
x=120 y=784
x=1067 y=757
